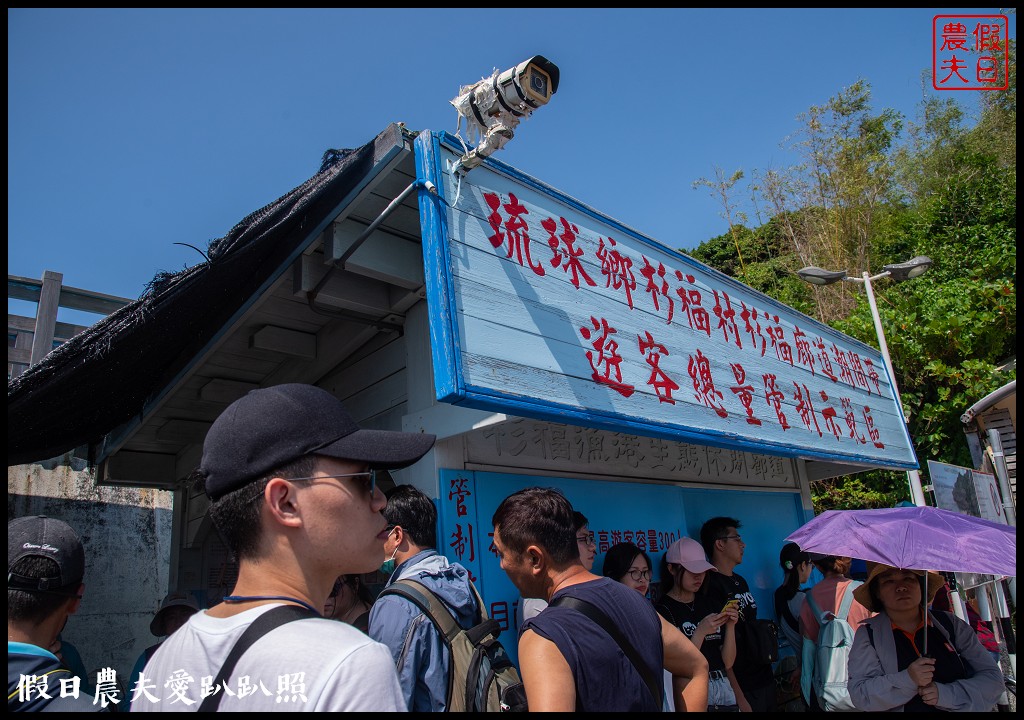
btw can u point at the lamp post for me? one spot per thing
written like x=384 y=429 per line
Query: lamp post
x=898 y=272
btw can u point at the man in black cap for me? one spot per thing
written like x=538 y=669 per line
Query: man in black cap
x=292 y=481
x=45 y=568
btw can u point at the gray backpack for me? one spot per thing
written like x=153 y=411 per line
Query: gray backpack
x=482 y=676
x=832 y=654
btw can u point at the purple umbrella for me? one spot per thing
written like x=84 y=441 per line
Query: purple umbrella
x=913 y=538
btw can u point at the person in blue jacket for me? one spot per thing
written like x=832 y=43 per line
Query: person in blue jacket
x=421 y=656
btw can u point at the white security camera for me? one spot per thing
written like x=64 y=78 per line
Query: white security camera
x=516 y=92
x=531 y=82
x=494 y=105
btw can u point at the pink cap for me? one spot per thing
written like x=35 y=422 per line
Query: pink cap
x=688 y=553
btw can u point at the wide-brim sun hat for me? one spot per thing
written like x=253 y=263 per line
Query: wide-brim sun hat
x=863 y=593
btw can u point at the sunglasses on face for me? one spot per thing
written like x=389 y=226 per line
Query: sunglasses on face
x=369 y=478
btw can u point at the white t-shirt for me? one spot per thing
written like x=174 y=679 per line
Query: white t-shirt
x=310 y=665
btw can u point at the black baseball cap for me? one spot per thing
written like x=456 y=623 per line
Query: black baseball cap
x=272 y=426
x=41 y=536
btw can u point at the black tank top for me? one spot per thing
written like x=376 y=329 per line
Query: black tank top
x=605 y=678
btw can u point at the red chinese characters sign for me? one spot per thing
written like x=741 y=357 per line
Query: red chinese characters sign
x=541 y=307
x=970 y=52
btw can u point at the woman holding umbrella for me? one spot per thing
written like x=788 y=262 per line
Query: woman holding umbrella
x=904 y=659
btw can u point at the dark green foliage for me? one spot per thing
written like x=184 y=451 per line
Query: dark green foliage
x=874 y=489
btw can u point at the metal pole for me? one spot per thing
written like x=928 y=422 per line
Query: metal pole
x=1006 y=626
x=958 y=605
x=995 y=441
x=985 y=612
x=913 y=476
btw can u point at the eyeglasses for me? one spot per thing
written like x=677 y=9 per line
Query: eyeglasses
x=586 y=539
x=730 y=537
x=370 y=475
x=639 y=575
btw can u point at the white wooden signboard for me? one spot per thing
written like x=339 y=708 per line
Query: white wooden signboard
x=542 y=307
x=965 y=490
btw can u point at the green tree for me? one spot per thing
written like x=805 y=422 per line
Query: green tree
x=722 y=189
x=860 y=200
x=843 y=183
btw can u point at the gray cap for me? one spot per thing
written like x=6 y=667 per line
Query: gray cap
x=41 y=536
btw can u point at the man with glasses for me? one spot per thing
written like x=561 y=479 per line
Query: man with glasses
x=292 y=482
x=587 y=544
x=567 y=660
x=417 y=647
x=753 y=682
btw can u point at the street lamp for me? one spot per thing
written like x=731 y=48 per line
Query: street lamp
x=899 y=272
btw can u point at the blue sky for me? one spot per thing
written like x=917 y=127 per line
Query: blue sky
x=130 y=130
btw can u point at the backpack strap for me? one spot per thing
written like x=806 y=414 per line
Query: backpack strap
x=259 y=627
x=787 y=615
x=946 y=621
x=433 y=607
x=818 y=614
x=594 y=613
x=844 y=606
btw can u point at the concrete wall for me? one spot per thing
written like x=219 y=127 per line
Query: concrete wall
x=127 y=534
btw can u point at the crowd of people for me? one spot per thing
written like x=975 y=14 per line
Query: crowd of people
x=292 y=484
